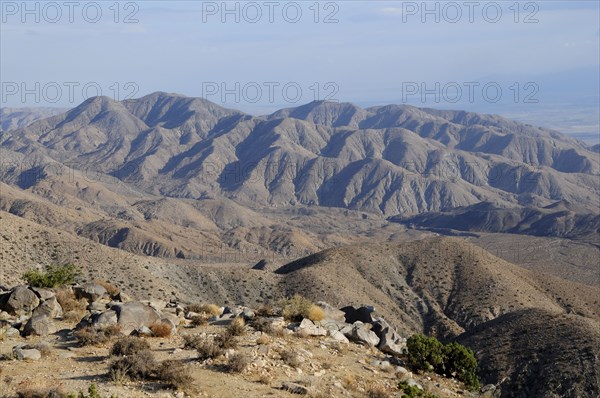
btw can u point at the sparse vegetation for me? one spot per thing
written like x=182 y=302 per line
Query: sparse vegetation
x=298 y=307
x=291 y=358
x=209 y=309
x=54 y=276
x=175 y=375
x=209 y=349
x=129 y=345
x=237 y=327
x=377 y=391
x=92 y=336
x=237 y=363
x=161 y=329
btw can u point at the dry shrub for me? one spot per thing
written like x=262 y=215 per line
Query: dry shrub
x=137 y=366
x=192 y=341
x=67 y=300
x=296 y=308
x=350 y=382
x=112 y=290
x=161 y=329
x=315 y=313
x=92 y=336
x=41 y=392
x=200 y=320
x=262 y=325
x=226 y=340
x=210 y=309
x=263 y=340
x=265 y=378
x=237 y=363
x=129 y=345
x=237 y=327
x=291 y=358
x=377 y=391
x=266 y=310
x=209 y=350
x=175 y=375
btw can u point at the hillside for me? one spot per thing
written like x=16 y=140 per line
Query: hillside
x=385 y=160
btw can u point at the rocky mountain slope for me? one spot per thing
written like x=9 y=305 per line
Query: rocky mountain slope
x=14 y=118
x=386 y=160
x=559 y=219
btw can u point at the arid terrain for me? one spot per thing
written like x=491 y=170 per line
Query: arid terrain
x=466 y=227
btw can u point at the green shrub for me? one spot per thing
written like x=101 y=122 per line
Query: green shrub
x=413 y=391
x=427 y=353
x=54 y=276
x=460 y=362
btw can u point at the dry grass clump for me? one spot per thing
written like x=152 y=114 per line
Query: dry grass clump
x=192 y=341
x=200 y=320
x=226 y=340
x=265 y=378
x=89 y=336
x=263 y=339
x=92 y=336
x=237 y=363
x=298 y=307
x=209 y=349
x=291 y=358
x=73 y=309
x=41 y=392
x=137 y=366
x=135 y=361
x=266 y=310
x=315 y=313
x=112 y=290
x=129 y=345
x=237 y=327
x=350 y=382
x=175 y=375
x=161 y=329
x=377 y=391
x=210 y=309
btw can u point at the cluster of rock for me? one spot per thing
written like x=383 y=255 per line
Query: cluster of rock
x=357 y=325
x=28 y=311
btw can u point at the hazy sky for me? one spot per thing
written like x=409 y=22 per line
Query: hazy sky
x=539 y=54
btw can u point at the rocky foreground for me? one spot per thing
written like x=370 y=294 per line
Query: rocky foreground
x=59 y=341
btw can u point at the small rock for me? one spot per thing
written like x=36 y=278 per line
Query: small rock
x=310 y=329
x=294 y=388
x=23 y=354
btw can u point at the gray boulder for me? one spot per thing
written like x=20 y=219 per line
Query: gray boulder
x=390 y=341
x=310 y=329
x=20 y=301
x=134 y=314
x=43 y=293
x=360 y=334
x=24 y=354
x=39 y=325
x=90 y=292
x=51 y=308
x=105 y=319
